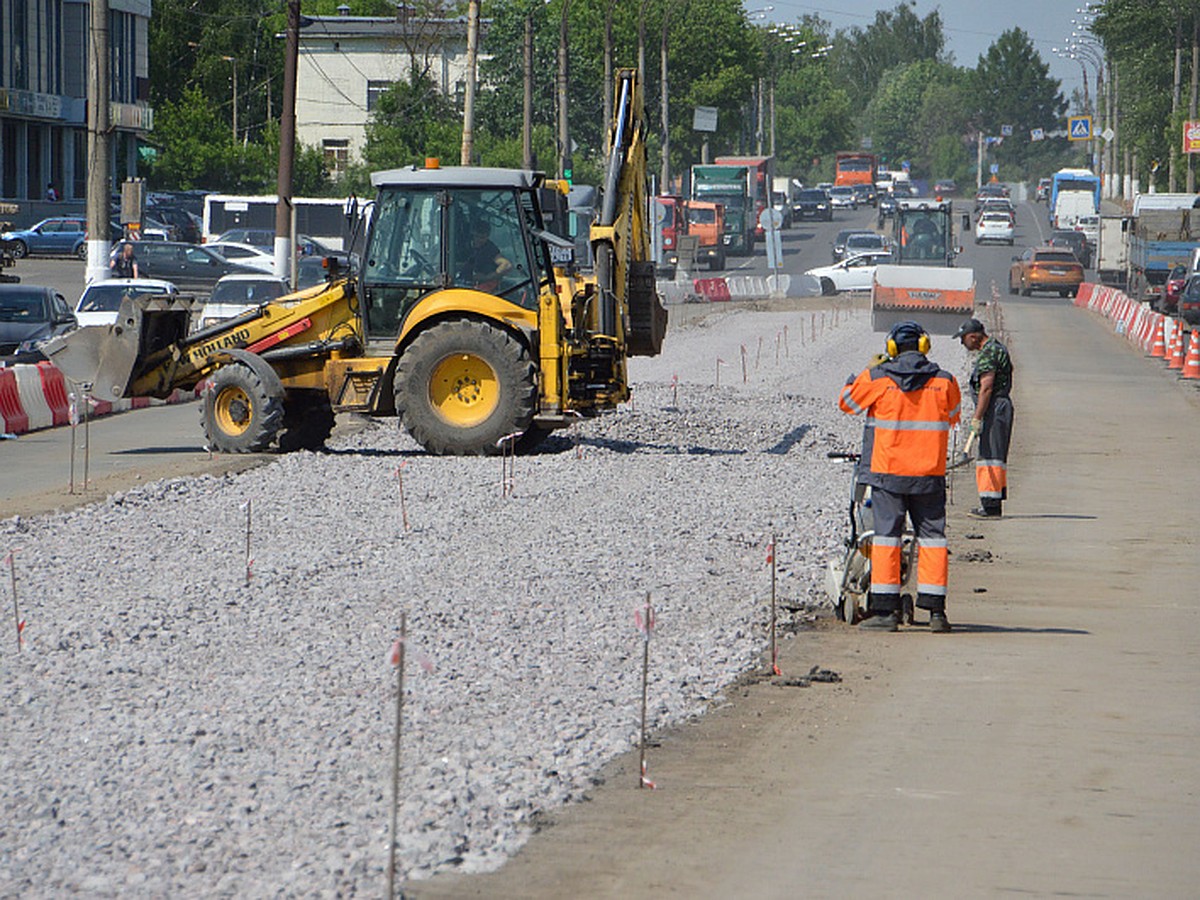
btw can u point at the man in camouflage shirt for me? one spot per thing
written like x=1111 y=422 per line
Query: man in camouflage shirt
x=991 y=389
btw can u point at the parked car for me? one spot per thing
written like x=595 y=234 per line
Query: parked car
x=1168 y=297
x=1188 y=307
x=236 y=294
x=994 y=226
x=852 y=274
x=1075 y=241
x=181 y=225
x=812 y=203
x=264 y=238
x=49 y=237
x=1042 y=194
x=1045 y=269
x=29 y=316
x=947 y=187
x=190 y=266
x=244 y=255
x=842 y=197
x=100 y=300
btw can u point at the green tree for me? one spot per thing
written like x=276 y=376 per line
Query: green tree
x=896 y=38
x=1014 y=87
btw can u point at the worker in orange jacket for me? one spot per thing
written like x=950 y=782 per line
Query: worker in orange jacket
x=911 y=404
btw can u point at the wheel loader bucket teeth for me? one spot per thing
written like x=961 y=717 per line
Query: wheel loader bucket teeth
x=109 y=357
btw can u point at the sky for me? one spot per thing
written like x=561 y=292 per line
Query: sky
x=970 y=26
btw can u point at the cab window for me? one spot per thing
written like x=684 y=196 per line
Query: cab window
x=487 y=249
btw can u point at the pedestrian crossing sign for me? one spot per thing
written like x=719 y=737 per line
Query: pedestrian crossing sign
x=1079 y=128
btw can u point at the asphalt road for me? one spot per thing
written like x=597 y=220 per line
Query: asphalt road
x=1045 y=748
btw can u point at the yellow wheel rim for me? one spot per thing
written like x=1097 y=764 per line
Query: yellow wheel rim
x=464 y=390
x=233 y=411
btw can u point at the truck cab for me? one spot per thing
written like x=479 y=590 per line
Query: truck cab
x=706 y=221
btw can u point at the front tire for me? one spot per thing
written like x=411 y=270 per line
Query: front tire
x=19 y=249
x=828 y=288
x=81 y=252
x=463 y=385
x=242 y=413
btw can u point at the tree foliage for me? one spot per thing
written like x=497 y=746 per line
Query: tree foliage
x=889 y=81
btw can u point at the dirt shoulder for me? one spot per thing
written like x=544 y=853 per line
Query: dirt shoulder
x=1047 y=746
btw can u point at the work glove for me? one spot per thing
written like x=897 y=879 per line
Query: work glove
x=878 y=360
x=973 y=429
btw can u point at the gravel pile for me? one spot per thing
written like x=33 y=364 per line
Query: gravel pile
x=170 y=731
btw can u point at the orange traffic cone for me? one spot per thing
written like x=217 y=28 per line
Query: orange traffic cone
x=1176 y=357
x=1158 y=347
x=1191 y=365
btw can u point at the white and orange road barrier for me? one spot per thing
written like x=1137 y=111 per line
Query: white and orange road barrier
x=1191 y=363
x=33 y=397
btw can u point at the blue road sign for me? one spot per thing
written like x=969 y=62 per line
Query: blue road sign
x=1079 y=128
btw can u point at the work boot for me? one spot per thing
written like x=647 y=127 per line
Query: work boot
x=938 y=623
x=889 y=621
x=984 y=512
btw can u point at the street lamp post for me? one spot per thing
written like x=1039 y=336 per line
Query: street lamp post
x=233 y=61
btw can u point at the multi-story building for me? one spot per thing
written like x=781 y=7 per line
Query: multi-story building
x=43 y=94
x=346 y=62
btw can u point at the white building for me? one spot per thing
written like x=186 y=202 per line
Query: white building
x=346 y=62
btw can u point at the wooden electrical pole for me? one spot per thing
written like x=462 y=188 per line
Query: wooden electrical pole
x=468 y=135
x=564 y=130
x=527 y=99
x=284 y=255
x=99 y=158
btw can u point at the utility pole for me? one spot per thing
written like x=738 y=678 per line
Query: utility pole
x=527 y=111
x=284 y=255
x=664 y=186
x=232 y=60
x=99 y=163
x=468 y=135
x=1191 y=172
x=608 y=75
x=564 y=131
x=1171 y=151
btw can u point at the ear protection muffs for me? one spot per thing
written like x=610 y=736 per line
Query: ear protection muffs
x=903 y=332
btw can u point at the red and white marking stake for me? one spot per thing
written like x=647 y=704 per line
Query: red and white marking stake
x=644 y=619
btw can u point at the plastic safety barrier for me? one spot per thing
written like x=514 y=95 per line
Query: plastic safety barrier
x=1155 y=334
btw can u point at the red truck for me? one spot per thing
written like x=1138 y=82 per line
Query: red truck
x=762 y=169
x=855 y=167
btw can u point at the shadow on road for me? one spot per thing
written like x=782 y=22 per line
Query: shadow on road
x=960 y=628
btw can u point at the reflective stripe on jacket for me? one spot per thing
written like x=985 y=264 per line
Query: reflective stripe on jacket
x=911 y=405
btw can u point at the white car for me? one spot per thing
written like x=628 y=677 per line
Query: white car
x=994 y=226
x=100 y=300
x=843 y=197
x=851 y=274
x=233 y=295
x=244 y=255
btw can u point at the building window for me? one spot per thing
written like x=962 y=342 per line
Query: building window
x=337 y=155
x=374 y=90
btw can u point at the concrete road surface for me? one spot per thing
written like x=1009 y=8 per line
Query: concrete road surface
x=1048 y=747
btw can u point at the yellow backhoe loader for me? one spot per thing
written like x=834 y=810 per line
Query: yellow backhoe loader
x=455 y=320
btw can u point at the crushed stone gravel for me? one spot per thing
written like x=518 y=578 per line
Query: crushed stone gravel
x=170 y=730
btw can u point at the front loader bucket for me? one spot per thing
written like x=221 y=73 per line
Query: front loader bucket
x=110 y=357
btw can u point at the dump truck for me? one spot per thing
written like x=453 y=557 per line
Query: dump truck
x=455 y=321
x=1162 y=233
x=922 y=282
x=729 y=186
x=761 y=175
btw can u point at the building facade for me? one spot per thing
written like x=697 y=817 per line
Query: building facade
x=347 y=62
x=43 y=94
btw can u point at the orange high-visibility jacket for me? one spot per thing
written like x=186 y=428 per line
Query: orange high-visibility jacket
x=911 y=404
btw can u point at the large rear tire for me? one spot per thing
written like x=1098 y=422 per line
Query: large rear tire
x=307 y=421
x=242 y=413
x=463 y=385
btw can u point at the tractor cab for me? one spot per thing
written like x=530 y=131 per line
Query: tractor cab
x=458 y=228
x=923 y=233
